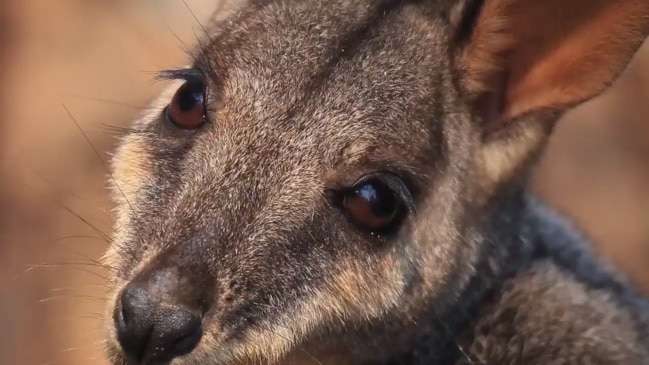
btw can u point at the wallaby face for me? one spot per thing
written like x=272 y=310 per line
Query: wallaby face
x=322 y=170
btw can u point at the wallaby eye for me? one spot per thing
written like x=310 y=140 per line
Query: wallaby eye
x=187 y=107
x=374 y=206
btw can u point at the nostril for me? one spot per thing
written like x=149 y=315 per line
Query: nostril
x=121 y=318
x=135 y=306
x=124 y=316
x=153 y=331
x=133 y=321
x=188 y=341
x=177 y=332
x=187 y=344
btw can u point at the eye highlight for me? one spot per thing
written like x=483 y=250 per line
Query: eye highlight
x=187 y=107
x=377 y=204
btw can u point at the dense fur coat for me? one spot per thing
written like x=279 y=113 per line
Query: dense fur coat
x=245 y=195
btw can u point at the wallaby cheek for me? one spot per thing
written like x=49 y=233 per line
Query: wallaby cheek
x=363 y=289
x=130 y=170
x=130 y=173
x=353 y=292
x=439 y=244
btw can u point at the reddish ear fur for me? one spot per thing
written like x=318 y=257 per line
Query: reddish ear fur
x=525 y=57
x=552 y=53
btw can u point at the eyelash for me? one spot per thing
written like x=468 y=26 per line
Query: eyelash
x=186 y=74
x=395 y=182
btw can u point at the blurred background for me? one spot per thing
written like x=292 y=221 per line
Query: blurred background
x=98 y=57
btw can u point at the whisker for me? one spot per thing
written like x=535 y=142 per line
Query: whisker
x=92 y=226
x=91 y=261
x=208 y=63
x=61 y=239
x=185 y=47
x=32 y=267
x=110 y=173
x=46 y=180
x=101 y=234
x=98 y=317
x=79 y=253
x=66 y=288
x=122 y=130
x=68 y=353
x=106 y=101
x=66 y=263
x=207 y=34
x=73 y=263
x=57 y=297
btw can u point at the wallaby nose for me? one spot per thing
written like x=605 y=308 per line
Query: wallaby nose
x=150 y=331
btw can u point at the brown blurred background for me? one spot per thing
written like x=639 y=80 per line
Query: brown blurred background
x=97 y=58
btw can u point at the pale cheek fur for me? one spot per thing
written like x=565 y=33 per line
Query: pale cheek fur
x=353 y=295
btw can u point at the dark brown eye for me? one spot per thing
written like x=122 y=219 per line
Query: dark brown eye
x=187 y=107
x=374 y=206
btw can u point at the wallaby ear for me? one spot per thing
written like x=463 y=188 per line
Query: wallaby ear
x=521 y=60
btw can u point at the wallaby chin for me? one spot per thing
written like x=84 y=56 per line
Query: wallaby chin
x=343 y=182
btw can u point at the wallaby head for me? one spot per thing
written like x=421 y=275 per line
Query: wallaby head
x=329 y=174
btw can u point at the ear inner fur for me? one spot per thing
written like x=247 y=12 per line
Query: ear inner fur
x=556 y=53
x=524 y=59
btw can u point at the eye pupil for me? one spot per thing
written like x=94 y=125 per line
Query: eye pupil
x=187 y=107
x=189 y=99
x=381 y=201
x=373 y=206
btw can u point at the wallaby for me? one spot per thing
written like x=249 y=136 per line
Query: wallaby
x=344 y=182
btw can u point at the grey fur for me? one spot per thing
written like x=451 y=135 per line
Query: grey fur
x=307 y=96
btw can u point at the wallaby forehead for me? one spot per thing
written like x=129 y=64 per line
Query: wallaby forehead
x=302 y=89
x=344 y=69
x=302 y=86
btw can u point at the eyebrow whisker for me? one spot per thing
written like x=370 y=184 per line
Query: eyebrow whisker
x=186 y=74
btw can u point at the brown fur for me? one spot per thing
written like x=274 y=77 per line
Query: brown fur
x=306 y=97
